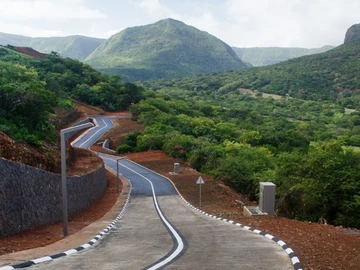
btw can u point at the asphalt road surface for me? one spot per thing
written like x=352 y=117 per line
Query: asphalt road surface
x=158 y=230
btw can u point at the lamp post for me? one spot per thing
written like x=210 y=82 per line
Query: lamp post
x=63 y=172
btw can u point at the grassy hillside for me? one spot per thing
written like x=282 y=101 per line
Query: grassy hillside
x=333 y=75
x=272 y=55
x=166 y=49
x=77 y=47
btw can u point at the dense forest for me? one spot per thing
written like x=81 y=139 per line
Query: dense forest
x=257 y=139
x=31 y=87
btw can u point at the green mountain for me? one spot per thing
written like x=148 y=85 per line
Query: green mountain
x=264 y=56
x=165 y=49
x=77 y=47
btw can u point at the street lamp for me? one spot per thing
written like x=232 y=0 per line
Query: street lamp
x=63 y=171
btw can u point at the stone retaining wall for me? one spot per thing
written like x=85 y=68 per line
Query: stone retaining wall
x=30 y=197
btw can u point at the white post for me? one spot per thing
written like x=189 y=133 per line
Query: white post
x=200 y=196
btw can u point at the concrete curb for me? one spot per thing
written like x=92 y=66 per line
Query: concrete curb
x=294 y=259
x=87 y=245
x=104 y=146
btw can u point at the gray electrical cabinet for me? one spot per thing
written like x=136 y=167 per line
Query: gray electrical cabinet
x=267 y=198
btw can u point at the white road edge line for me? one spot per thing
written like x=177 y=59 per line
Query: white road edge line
x=180 y=247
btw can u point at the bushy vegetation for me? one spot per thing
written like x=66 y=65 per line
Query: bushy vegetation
x=30 y=88
x=25 y=104
x=297 y=144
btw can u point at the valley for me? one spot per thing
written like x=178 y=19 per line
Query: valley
x=192 y=100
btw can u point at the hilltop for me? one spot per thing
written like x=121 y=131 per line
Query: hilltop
x=353 y=33
x=165 y=49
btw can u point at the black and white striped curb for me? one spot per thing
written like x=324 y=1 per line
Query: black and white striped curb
x=74 y=250
x=294 y=259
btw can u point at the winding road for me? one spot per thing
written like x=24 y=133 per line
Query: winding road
x=158 y=230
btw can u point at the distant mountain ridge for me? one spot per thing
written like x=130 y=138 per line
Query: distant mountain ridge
x=165 y=49
x=264 y=56
x=77 y=47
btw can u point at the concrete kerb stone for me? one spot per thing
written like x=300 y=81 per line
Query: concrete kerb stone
x=85 y=246
x=293 y=258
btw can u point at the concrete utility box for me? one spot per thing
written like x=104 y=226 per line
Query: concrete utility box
x=267 y=198
x=177 y=168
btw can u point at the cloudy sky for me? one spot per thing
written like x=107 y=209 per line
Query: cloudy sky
x=241 y=23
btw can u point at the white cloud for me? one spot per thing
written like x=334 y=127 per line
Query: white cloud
x=290 y=22
x=242 y=23
x=24 y=10
x=155 y=9
x=21 y=29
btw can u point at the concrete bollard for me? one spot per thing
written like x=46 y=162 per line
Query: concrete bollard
x=267 y=198
x=177 y=168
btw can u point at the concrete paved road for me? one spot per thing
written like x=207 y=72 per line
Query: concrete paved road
x=141 y=240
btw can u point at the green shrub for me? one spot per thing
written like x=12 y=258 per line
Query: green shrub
x=124 y=148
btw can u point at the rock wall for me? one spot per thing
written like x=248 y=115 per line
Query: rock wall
x=352 y=34
x=30 y=197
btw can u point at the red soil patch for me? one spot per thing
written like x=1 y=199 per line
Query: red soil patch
x=30 y=52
